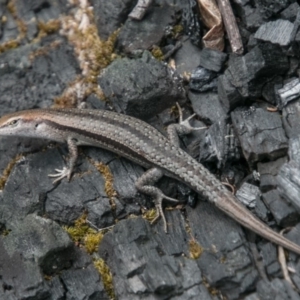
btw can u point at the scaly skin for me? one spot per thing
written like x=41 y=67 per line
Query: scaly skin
x=142 y=144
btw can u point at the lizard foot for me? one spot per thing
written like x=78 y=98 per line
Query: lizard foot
x=159 y=209
x=185 y=124
x=61 y=174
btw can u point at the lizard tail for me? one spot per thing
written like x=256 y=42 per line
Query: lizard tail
x=230 y=206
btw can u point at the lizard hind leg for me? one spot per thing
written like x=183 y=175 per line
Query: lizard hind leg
x=145 y=185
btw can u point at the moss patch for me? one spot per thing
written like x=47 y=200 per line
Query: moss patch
x=106 y=276
x=195 y=249
x=150 y=215
x=49 y=27
x=83 y=235
x=12 y=44
x=109 y=181
x=7 y=170
x=93 y=53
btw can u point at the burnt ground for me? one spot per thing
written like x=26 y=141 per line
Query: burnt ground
x=91 y=238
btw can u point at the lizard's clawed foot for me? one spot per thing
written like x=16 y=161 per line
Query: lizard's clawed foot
x=185 y=123
x=61 y=174
x=159 y=210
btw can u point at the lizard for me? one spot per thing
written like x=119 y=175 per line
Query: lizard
x=141 y=143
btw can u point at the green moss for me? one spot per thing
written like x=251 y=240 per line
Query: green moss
x=106 y=276
x=12 y=44
x=92 y=241
x=7 y=171
x=93 y=55
x=49 y=27
x=177 y=29
x=212 y=290
x=195 y=249
x=83 y=235
x=109 y=180
x=150 y=215
x=9 y=45
x=5 y=232
x=157 y=53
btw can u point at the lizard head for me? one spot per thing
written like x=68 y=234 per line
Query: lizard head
x=23 y=123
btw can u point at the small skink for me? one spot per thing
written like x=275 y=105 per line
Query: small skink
x=142 y=144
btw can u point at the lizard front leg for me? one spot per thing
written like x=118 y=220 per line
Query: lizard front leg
x=145 y=184
x=68 y=170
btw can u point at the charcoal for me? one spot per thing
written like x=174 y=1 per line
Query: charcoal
x=203 y=80
x=212 y=59
x=270 y=90
x=252 y=42
x=219 y=145
x=138 y=254
x=260 y=134
x=291 y=118
x=221 y=228
x=100 y=213
x=251 y=16
x=26 y=196
x=36 y=88
x=276 y=289
x=290 y=13
x=187 y=57
x=246 y=75
x=288 y=180
x=252 y=296
x=272 y=7
x=284 y=213
x=40 y=68
x=21 y=278
x=268 y=172
x=277 y=32
x=10 y=29
x=261 y=210
x=202 y=104
x=247 y=194
x=290 y=91
x=294 y=65
x=142 y=35
x=296 y=46
x=190 y=21
x=268 y=254
x=294 y=149
x=33 y=12
x=229 y=95
x=241 y=2
x=83 y=283
x=41 y=240
x=109 y=15
x=294 y=236
x=120 y=79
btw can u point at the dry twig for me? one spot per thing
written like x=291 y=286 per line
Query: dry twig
x=140 y=9
x=231 y=26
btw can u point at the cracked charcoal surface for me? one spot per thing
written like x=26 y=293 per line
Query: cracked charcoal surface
x=212 y=59
x=260 y=134
x=202 y=104
x=290 y=91
x=246 y=75
x=133 y=94
x=135 y=35
x=234 y=96
x=277 y=32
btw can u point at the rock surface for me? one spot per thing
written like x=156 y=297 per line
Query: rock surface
x=91 y=238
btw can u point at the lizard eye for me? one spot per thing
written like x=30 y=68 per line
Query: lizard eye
x=13 y=122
